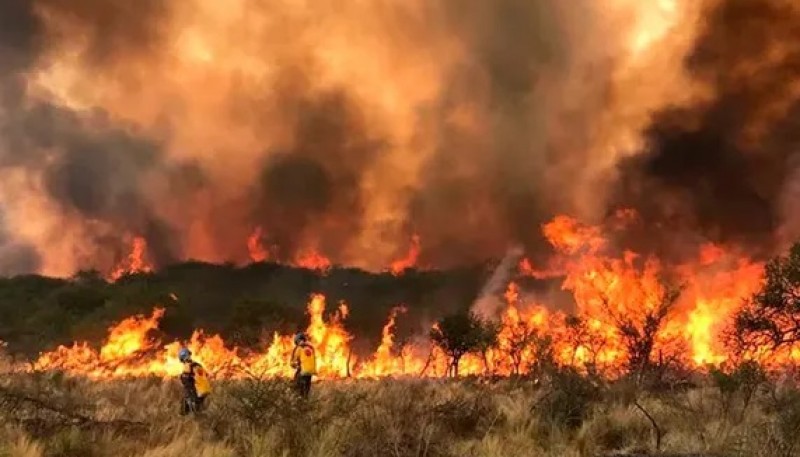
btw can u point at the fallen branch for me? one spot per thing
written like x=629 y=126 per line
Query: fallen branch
x=14 y=403
x=658 y=432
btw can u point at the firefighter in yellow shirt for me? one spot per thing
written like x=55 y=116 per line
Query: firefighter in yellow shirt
x=196 y=385
x=304 y=361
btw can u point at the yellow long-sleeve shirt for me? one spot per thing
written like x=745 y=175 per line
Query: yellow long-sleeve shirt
x=304 y=358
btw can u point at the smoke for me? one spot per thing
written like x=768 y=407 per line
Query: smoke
x=789 y=231
x=722 y=167
x=348 y=130
x=488 y=303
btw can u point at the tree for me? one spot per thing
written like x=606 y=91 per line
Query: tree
x=488 y=341
x=524 y=343
x=738 y=386
x=457 y=335
x=771 y=317
x=38 y=313
x=639 y=335
x=587 y=345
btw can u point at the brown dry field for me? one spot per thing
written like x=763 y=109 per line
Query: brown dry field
x=49 y=414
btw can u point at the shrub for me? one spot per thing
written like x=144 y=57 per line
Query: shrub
x=738 y=386
x=567 y=400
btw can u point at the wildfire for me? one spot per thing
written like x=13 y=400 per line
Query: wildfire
x=308 y=258
x=313 y=260
x=628 y=287
x=135 y=262
x=409 y=261
x=384 y=361
x=132 y=350
x=611 y=292
x=128 y=343
x=255 y=246
x=526 y=268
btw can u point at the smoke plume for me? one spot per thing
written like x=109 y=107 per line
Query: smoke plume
x=347 y=129
x=723 y=166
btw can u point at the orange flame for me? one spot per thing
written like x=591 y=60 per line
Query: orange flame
x=255 y=246
x=607 y=288
x=384 y=362
x=313 y=260
x=136 y=261
x=127 y=345
x=409 y=261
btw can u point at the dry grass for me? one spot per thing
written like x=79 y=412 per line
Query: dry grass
x=567 y=417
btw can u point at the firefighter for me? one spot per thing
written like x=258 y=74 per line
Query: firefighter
x=304 y=362
x=196 y=385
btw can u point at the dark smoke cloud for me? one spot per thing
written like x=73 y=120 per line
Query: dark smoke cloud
x=18 y=31
x=15 y=257
x=113 y=29
x=495 y=170
x=102 y=172
x=19 y=28
x=477 y=196
x=482 y=193
x=98 y=175
x=720 y=169
x=314 y=188
x=90 y=166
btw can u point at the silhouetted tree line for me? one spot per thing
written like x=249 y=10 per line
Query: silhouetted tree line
x=241 y=303
x=245 y=304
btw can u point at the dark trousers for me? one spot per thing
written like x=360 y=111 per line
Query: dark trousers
x=192 y=404
x=303 y=384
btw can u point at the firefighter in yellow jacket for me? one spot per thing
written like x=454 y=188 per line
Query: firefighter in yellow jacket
x=196 y=385
x=304 y=361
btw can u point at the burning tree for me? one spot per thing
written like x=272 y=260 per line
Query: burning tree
x=640 y=334
x=770 y=318
x=586 y=345
x=459 y=334
x=524 y=343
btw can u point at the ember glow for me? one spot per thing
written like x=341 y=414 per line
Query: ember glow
x=606 y=287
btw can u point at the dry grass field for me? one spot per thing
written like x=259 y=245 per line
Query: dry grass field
x=563 y=415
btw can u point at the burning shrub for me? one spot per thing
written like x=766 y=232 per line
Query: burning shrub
x=641 y=336
x=460 y=334
x=770 y=320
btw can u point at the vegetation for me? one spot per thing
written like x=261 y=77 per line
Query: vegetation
x=772 y=316
x=654 y=407
x=568 y=415
x=38 y=313
x=460 y=334
x=640 y=337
